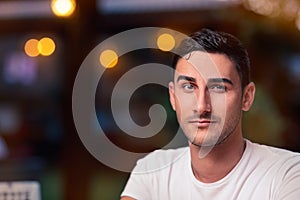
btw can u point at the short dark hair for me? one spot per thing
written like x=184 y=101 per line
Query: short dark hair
x=218 y=42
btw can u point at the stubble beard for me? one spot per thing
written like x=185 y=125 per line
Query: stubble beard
x=214 y=135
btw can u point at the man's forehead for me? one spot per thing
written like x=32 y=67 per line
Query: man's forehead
x=197 y=55
x=204 y=64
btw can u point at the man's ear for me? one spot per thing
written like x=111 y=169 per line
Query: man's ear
x=248 y=96
x=172 y=95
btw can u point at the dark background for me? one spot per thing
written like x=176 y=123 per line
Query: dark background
x=36 y=122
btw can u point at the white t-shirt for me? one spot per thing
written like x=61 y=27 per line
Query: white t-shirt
x=262 y=173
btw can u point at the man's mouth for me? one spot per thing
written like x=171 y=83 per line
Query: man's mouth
x=202 y=123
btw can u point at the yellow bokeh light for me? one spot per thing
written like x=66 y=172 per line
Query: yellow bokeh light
x=108 y=58
x=165 y=42
x=31 y=47
x=63 y=8
x=46 y=46
x=264 y=7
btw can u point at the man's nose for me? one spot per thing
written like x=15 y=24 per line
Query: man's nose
x=203 y=102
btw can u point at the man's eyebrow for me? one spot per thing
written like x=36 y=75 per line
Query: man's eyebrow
x=220 y=80
x=186 y=78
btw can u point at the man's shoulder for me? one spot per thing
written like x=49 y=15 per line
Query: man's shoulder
x=160 y=159
x=268 y=151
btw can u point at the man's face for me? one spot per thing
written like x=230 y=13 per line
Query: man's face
x=207 y=97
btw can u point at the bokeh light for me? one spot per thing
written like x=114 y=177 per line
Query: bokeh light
x=264 y=7
x=165 y=42
x=297 y=22
x=46 y=46
x=63 y=8
x=31 y=48
x=290 y=9
x=108 y=58
x=286 y=9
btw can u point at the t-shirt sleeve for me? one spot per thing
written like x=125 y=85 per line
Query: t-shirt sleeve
x=138 y=184
x=149 y=178
x=290 y=187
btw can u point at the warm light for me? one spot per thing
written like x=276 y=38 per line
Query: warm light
x=63 y=8
x=108 y=58
x=290 y=9
x=165 y=42
x=298 y=21
x=46 y=46
x=286 y=9
x=31 y=48
x=264 y=7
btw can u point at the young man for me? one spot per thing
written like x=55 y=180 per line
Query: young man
x=210 y=90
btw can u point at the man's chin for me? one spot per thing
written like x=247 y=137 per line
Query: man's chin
x=205 y=144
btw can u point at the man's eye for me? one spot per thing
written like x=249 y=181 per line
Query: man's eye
x=217 y=88
x=188 y=87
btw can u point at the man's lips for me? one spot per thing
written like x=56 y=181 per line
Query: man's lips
x=202 y=123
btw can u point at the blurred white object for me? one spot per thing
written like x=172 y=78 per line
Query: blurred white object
x=21 y=190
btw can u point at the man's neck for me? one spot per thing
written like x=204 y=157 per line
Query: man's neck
x=219 y=161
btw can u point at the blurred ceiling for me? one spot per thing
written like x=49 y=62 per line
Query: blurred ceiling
x=17 y=9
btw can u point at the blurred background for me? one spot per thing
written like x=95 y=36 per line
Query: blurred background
x=44 y=42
